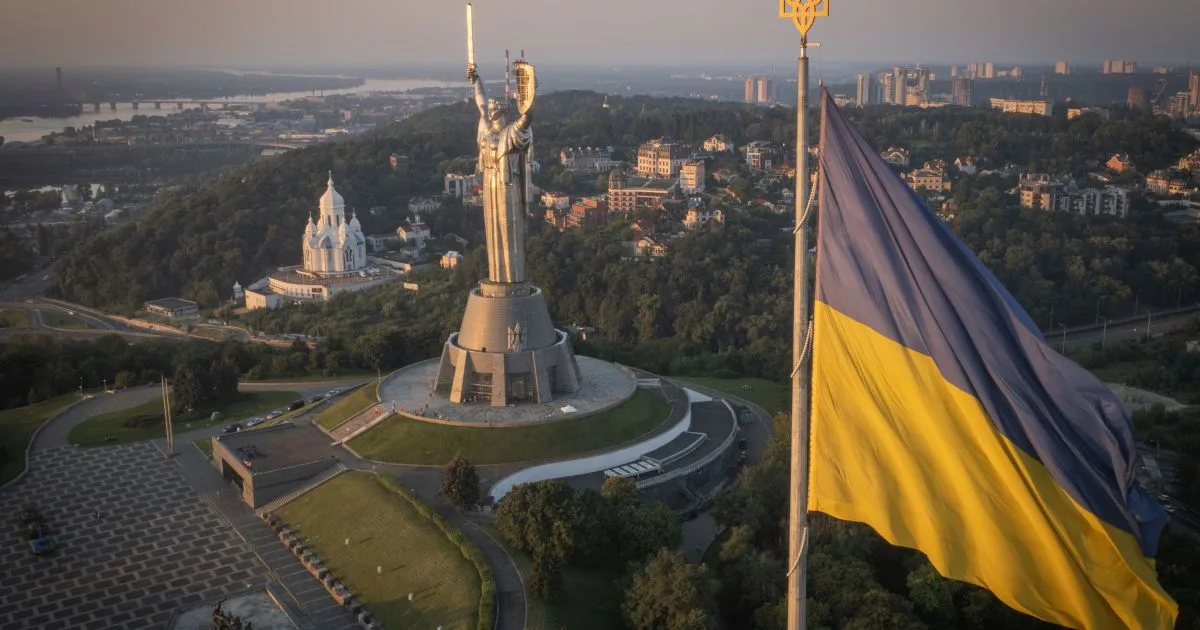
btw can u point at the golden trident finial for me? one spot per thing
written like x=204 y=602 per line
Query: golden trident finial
x=803 y=13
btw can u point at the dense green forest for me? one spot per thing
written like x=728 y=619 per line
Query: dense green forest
x=239 y=223
x=36 y=367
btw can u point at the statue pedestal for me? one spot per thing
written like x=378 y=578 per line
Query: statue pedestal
x=507 y=350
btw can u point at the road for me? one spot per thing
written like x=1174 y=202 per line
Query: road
x=55 y=433
x=1117 y=333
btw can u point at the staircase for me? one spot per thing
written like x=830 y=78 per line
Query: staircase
x=326 y=475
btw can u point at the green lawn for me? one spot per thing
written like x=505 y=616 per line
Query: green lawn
x=16 y=429
x=13 y=318
x=216 y=334
x=340 y=376
x=56 y=319
x=347 y=405
x=205 y=446
x=386 y=531
x=771 y=396
x=403 y=440
x=96 y=430
x=590 y=600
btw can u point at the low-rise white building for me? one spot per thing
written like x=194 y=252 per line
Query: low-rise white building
x=588 y=159
x=719 y=144
x=451 y=260
x=699 y=215
x=424 y=205
x=460 y=186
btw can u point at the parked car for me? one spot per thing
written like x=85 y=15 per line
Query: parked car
x=274 y=414
x=317 y=398
x=255 y=421
x=295 y=405
x=233 y=428
x=333 y=392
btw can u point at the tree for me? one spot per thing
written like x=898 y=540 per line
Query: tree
x=460 y=483
x=545 y=580
x=124 y=379
x=670 y=594
x=648 y=529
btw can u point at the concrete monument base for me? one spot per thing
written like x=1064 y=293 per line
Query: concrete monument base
x=507 y=350
x=603 y=385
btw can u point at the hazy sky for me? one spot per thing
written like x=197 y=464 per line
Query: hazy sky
x=250 y=33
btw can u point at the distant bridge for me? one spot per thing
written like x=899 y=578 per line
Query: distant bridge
x=178 y=103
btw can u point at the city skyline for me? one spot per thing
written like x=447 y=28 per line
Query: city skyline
x=310 y=33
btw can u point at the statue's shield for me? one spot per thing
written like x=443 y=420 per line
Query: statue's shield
x=526 y=85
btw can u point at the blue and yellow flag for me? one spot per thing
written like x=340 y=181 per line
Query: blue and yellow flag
x=942 y=419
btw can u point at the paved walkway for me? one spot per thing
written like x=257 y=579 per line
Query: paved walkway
x=134 y=543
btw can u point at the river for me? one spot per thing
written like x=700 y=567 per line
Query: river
x=29 y=129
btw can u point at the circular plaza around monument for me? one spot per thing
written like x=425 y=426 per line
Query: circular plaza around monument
x=413 y=391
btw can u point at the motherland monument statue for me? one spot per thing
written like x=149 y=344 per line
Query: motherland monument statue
x=507 y=350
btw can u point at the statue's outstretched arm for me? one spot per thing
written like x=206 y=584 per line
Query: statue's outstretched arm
x=524 y=121
x=477 y=83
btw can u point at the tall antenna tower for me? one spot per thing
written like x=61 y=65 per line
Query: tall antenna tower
x=507 y=81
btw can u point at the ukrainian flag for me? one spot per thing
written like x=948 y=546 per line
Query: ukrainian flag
x=942 y=419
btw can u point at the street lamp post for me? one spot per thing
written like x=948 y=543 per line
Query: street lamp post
x=1098 y=308
x=803 y=14
x=1064 y=338
x=1051 y=317
x=1149 y=314
x=1136 y=295
x=1104 y=334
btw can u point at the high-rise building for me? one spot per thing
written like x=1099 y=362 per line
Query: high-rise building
x=1062 y=67
x=899 y=85
x=865 y=89
x=1119 y=66
x=764 y=89
x=1177 y=105
x=750 y=89
x=960 y=91
x=953 y=71
x=885 y=87
x=1137 y=99
x=989 y=70
x=923 y=78
x=1194 y=88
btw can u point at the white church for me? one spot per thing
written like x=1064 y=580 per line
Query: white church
x=335 y=260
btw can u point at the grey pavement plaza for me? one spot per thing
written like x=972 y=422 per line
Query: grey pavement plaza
x=602 y=385
x=134 y=543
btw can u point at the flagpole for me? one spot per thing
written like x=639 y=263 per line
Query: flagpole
x=803 y=13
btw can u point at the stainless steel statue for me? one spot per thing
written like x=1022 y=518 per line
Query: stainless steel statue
x=504 y=164
x=507 y=351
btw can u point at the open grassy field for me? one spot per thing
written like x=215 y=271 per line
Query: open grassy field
x=55 y=319
x=590 y=600
x=13 y=318
x=386 y=531
x=403 y=440
x=16 y=429
x=97 y=430
x=771 y=396
x=347 y=406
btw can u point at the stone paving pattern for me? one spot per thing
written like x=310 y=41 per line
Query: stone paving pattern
x=602 y=385
x=154 y=548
